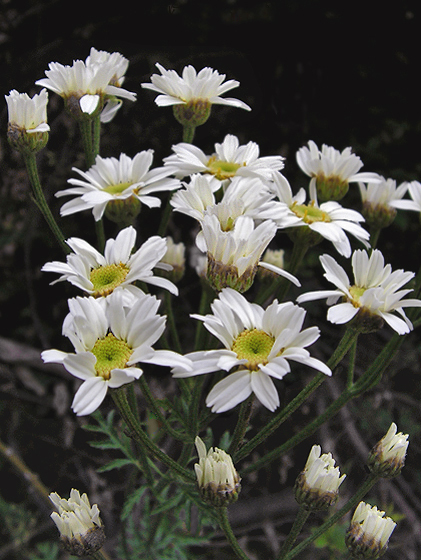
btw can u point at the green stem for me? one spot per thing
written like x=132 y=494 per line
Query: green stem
x=100 y=235
x=242 y=423
x=120 y=399
x=351 y=503
x=188 y=133
x=226 y=527
x=32 y=170
x=157 y=412
x=85 y=127
x=99 y=555
x=171 y=322
x=299 y=522
x=344 y=345
x=96 y=136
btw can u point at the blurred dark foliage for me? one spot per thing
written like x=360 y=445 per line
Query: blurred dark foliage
x=334 y=72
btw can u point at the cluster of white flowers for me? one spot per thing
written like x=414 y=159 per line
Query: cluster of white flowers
x=241 y=203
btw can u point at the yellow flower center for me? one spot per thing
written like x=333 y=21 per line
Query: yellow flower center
x=106 y=278
x=254 y=346
x=356 y=292
x=310 y=213
x=117 y=189
x=222 y=169
x=110 y=353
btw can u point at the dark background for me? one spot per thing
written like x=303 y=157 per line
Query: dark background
x=344 y=74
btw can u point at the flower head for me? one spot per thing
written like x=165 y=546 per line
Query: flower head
x=258 y=345
x=316 y=221
x=120 y=64
x=119 y=267
x=229 y=160
x=374 y=296
x=110 y=338
x=193 y=93
x=331 y=171
x=81 y=529
x=387 y=457
x=85 y=87
x=117 y=187
x=380 y=201
x=27 y=128
x=317 y=485
x=218 y=481
x=369 y=532
x=234 y=251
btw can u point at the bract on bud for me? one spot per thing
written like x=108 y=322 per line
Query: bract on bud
x=81 y=529
x=317 y=485
x=387 y=457
x=218 y=481
x=175 y=258
x=369 y=532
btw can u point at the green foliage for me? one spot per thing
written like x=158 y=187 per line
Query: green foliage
x=45 y=551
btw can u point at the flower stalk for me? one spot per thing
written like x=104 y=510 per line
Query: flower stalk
x=229 y=534
x=350 y=504
x=32 y=170
x=120 y=399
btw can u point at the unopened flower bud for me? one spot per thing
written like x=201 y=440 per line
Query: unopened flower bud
x=218 y=481
x=317 y=485
x=387 y=457
x=81 y=529
x=369 y=532
x=275 y=257
x=27 y=129
x=175 y=257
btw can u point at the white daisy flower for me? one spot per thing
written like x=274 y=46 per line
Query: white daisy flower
x=119 y=267
x=120 y=65
x=109 y=341
x=234 y=248
x=258 y=345
x=380 y=201
x=243 y=196
x=123 y=180
x=28 y=113
x=329 y=219
x=331 y=171
x=375 y=294
x=84 y=87
x=414 y=202
x=229 y=160
x=206 y=85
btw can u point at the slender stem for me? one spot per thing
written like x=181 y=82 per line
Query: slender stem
x=188 y=133
x=96 y=135
x=157 y=411
x=351 y=503
x=242 y=423
x=85 y=127
x=343 y=347
x=120 y=399
x=351 y=366
x=299 y=522
x=171 y=322
x=226 y=527
x=165 y=218
x=32 y=170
